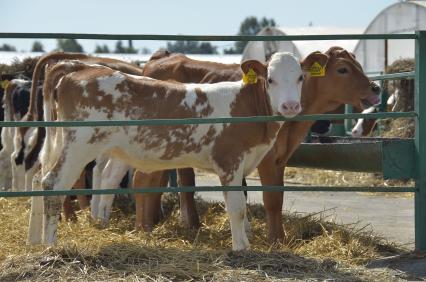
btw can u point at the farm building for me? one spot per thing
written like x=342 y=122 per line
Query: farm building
x=374 y=55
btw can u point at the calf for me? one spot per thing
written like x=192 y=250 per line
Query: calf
x=343 y=82
x=364 y=127
x=230 y=150
x=162 y=65
x=15 y=104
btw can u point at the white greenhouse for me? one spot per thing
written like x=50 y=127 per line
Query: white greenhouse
x=374 y=55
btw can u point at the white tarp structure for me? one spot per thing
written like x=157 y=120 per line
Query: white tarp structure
x=401 y=17
x=262 y=50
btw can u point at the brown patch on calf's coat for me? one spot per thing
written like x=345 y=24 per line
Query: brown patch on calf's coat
x=252 y=100
x=98 y=136
x=138 y=103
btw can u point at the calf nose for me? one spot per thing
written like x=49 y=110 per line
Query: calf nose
x=291 y=107
x=375 y=87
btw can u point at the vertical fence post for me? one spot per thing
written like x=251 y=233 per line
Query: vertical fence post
x=348 y=122
x=420 y=141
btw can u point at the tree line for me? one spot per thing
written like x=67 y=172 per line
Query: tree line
x=249 y=26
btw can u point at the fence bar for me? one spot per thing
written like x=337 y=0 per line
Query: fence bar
x=420 y=142
x=408 y=74
x=204 y=37
x=201 y=120
x=12 y=194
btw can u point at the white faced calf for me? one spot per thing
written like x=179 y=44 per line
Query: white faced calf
x=230 y=150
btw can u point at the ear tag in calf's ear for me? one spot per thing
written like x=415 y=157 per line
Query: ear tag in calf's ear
x=250 y=77
x=4 y=84
x=317 y=70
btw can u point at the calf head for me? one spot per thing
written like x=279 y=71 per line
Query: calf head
x=339 y=79
x=283 y=78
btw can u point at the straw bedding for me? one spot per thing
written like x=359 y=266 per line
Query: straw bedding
x=315 y=249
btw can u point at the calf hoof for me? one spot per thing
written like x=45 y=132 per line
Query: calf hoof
x=244 y=245
x=34 y=239
x=145 y=228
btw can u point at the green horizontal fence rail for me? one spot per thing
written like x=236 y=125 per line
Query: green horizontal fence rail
x=420 y=117
x=204 y=37
x=169 y=122
x=36 y=193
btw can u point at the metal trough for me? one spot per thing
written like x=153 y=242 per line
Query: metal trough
x=392 y=156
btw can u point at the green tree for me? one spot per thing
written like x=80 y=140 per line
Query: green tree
x=120 y=49
x=191 y=47
x=7 y=48
x=69 y=45
x=102 y=49
x=37 y=47
x=250 y=26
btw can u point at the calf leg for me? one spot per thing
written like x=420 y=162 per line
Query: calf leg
x=272 y=175
x=148 y=206
x=5 y=153
x=235 y=203
x=83 y=200
x=18 y=173
x=101 y=162
x=29 y=174
x=188 y=211
x=112 y=175
x=64 y=173
x=36 y=214
x=5 y=170
x=247 y=226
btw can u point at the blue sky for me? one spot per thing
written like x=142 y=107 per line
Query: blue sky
x=174 y=17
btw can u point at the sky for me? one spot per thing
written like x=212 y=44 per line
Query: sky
x=193 y=17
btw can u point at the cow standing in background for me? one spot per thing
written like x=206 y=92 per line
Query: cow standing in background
x=15 y=100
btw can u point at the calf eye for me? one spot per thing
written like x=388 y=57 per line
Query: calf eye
x=342 y=70
x=300 y=79
x=270 y=80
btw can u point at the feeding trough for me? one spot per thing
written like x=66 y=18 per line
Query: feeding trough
x=392 y=156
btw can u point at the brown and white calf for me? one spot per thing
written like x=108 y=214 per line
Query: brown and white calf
x=230 y=150
x=343 y=82
x=162 y=65
x=364 y=127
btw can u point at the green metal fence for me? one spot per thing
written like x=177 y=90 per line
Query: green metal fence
x=419 y=142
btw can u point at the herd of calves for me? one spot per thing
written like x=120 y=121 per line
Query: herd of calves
x=69 y=86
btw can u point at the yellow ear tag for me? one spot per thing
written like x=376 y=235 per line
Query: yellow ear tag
x=4 y=84
x=317 y=70
x=250 y=77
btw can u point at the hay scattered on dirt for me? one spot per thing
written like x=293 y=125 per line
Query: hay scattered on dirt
x=315 y=249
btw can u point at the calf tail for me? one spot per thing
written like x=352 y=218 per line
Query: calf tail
x=54 y=74
x=46 y=59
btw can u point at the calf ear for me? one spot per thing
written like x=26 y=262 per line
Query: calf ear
x=311 y=59
x=259 y=68
x=346 y=54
